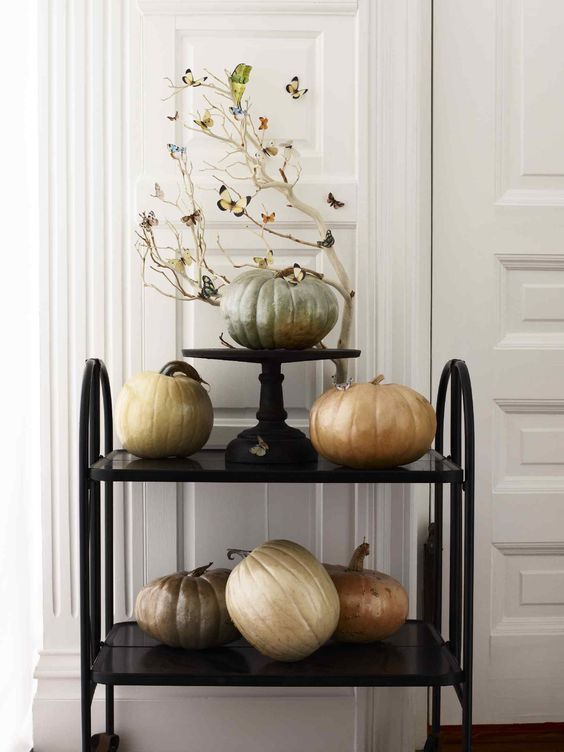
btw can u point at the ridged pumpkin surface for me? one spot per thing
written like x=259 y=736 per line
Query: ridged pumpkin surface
x=187 y=610
x=263 y=311
x=283 y=601
x=163 y=416
x=372 y=425
x=373 y=605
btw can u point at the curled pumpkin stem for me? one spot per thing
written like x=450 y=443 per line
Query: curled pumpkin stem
x=360 y=553
x=289 y=270
x=199 y=571
x=233 y=552
x=178 y=366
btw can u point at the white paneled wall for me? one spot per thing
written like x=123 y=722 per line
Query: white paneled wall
x=363 y=132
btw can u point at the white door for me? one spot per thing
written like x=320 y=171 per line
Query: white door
x=499 y=304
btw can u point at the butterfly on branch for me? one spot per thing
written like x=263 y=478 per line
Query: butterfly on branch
x=263 y=123
x=328 y=242
x=238 y=112
x=227 y=203
x=191 y=219
x=298 y=275
x=179 y=264
x=260 y=448
x=289 y=150
x=148 y=220
x=266 y=218
x=176 y=152
x=206 y=121
x=293 y=88
x=264 y=262
x=238 y=81
x=209 y=290
x=189 y=79
x=173 y=117
x=332 y=201
x=271 y=150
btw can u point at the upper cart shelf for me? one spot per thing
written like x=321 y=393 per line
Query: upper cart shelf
x=209 y=466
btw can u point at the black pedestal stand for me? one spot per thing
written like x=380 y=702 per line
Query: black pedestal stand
x=271 y=441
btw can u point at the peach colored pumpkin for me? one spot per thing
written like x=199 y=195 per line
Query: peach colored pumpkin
x=373 y=605
x=370 y=426
x=187 y=609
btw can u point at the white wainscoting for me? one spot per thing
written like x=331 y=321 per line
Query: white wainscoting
x=364 y=133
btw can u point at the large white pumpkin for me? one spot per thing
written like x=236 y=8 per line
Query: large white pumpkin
x=266 y=311
x=282 y=600
x=166 y=414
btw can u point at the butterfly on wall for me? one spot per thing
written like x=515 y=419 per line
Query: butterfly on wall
x=209 y=290
x=293 y=88
x=238 y=112
x=191 y=219
x=159 y=193
x=176 y=152
x=332 y=201
x=263 y=123
x=260 y=448
x=206 y=121
x=271 y=150
x=263 y=262
x=189 y=79
x=328 y=242
x=227 y=203
x=266 y=218
x=173 y=117
x=148 y=220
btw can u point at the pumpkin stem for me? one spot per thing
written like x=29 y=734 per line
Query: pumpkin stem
x=199 y=571
x=287 y=271
x=233 y=552
x=178 y=366
x=360 y=553
x=377 y=379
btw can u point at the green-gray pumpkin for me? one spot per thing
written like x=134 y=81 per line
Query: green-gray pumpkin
x=264 y=311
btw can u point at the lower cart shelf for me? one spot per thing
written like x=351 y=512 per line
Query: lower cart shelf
x=415 y=656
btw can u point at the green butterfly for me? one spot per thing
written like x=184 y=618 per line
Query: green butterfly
x=238 y=80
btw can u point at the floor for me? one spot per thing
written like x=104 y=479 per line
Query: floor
x=542 y=738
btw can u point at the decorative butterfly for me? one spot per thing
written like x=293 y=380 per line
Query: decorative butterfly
x=263 y=123
x=299 y=274
x=293 y=88
x=328 y=242
x=271 y=150
x=266 y=218
x=148 y=220
x=176 y=152
x=209 y=290
x=289 y=150
x=226 y=202
x=179 y=264
x=189 y=79
x=344 y=385
x=332 y=201
x=159 y=193
x=206 y=121
x=261 y=447
x=238 y=81
x=173 y=117
x=238 y=112
x=191 y=219
x=264 y=262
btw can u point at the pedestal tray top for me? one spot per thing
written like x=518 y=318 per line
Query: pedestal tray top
x=245 y=355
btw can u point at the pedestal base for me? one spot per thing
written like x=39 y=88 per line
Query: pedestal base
x=282 y=445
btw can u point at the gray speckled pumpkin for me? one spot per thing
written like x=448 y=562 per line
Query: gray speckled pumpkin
x=187 y=609
x=264 y=311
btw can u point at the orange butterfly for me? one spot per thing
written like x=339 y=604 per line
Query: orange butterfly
x=266 y=218
x=263 y=123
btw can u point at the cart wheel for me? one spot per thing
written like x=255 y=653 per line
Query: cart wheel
x=104 y=743
x=431 y=745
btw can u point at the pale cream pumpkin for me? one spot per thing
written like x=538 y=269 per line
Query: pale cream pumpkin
x=166 y=414
x=266 y=311
x=282 y=600
x=372 y=425
x=187 y=609
x=373 y=605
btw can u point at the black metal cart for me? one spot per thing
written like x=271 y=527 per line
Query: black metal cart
x=416 y=656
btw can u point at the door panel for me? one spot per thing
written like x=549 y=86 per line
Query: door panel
x=499 y=304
